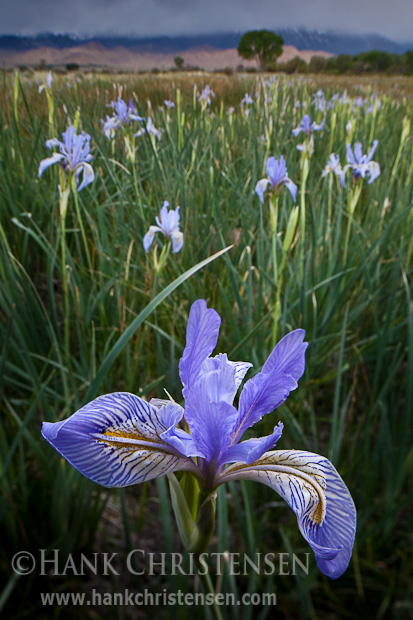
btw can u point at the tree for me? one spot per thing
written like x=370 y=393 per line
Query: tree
x=317 y=64
x=179 y=62
x=263 y=45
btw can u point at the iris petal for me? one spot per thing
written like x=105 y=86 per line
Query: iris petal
x=270 y=387
x=291 y=187
x=88 y=175
x=314 y=490
x=261 y=187
x=115 y=441
x=49 y=161
x=171 y=414
x=149 y=237
x=208 y=407
x=250 y=450
x=201 y=339
x=177 y=241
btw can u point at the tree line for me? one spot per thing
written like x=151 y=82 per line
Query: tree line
x=266 y=47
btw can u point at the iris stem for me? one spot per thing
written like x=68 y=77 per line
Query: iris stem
x=352 y=203
x=131 y=142
x=82 y=229
x=65 y=288
x=208 y=586
x=329 y=205
x=305 y=164
x=277 y=282
x=278 y=299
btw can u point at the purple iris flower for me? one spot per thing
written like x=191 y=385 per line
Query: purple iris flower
x=48 y=83
x=247 y=100
x=333 y=165
x=307 y=126
x=206 y=95
x=277 y=177
x=359 y=102
x=169 y=103
x=361 y=165
x=149 y=128
x=74 y=156
x=319 y=100
x=121 y=117
x=168 y=224
x=120 y=439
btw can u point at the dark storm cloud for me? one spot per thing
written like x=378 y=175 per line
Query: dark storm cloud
x=171 y=17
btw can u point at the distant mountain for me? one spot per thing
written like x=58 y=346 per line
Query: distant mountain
x=302 y=39
x=339 y=43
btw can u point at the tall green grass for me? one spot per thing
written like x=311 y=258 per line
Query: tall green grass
x=127 y=326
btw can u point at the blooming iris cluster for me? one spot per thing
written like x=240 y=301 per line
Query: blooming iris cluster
x=120 y=439
x=74 y=156
x=121 y=117
x=361 y=165
x=277 y=177
x=168 y=224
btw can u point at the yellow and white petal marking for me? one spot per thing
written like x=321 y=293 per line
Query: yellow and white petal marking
x=297 y=476
x=115 y=441
x=312 y=487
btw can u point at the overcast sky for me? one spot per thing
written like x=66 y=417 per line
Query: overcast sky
x=143 y=18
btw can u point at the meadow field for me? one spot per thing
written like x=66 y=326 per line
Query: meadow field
x=85 y=311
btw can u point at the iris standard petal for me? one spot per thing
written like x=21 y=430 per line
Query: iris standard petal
x=241 y=369
x=201 y=339
x=276 y=170
x=208 y=407
x=358 y=152
x=218 y=377
x=314 y=490
x=372 y=150
x=350 y=156
x=270 y=387
x=115 y=441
